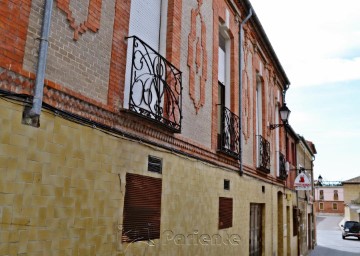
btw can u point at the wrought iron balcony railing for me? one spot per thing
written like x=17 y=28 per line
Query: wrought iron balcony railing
x=155 y=86
x=282 y=170
x=263 y=154
x=229 y=134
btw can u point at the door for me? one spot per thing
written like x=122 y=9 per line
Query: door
x=255 y=236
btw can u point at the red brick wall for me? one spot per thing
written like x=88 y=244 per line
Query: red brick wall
x=14 y=18
x=118 y=54
x=328 y=207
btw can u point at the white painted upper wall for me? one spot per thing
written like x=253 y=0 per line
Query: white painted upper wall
x=328 y=193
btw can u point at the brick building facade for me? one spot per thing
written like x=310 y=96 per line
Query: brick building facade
x=143 y=145
x=329 y=198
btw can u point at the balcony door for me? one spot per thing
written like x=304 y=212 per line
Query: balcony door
x=144 y=70
x=258 y=109
x=145 y=21
x=228 y=122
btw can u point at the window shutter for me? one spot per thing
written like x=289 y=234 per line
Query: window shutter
x=145 y=21
x=225 y=212
x=142 y=208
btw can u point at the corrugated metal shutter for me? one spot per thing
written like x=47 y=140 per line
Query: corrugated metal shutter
x=225 y=212
x=142 y=208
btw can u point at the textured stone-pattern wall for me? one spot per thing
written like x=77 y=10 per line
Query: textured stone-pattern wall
x=62 y=188
x=59 y=191
x=352 y=193
x=82 y=65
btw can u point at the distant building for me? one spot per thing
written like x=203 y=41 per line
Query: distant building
x=329 y=197
x=352 y=199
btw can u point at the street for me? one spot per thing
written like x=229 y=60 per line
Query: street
x=329 y=240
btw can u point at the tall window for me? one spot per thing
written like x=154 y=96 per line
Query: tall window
x=335 y=207
x=258 y=110
x=223 y=82
x=293 y=152
x=224 y=63
x=336 y=195
x=321 y=206
x=277 y=142
x=321 y=194
x=148 y=22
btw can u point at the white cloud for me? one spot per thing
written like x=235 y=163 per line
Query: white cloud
x=314 y=71
x=316 y=41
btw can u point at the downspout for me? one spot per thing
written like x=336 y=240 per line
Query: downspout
x=34 y=113
x=313 y=221
x=240 y=90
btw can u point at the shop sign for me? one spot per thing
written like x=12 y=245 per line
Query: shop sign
x=302 y=182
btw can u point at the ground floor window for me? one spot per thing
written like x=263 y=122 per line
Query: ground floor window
x=335 y=207
x=321 y=206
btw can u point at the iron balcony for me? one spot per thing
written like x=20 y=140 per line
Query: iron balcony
x=282 y=170
x=155 y=86
x=229 y=134
x=263 y=154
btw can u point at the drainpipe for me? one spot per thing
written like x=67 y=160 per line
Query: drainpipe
x=313 y=221
x=240 y=91
x=33 y=114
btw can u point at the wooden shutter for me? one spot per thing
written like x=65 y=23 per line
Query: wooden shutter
x=142 y=208
x=225 y=212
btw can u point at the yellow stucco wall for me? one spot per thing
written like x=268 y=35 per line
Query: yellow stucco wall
x=62 y=189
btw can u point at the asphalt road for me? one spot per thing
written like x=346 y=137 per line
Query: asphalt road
x=329 y=240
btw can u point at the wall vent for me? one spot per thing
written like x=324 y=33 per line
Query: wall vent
x=154 y=164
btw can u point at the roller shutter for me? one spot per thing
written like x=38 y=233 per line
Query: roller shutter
x=142 y=208
x=225 y=212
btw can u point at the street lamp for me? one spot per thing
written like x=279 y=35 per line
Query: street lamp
x=284 y=115
x=320 y=179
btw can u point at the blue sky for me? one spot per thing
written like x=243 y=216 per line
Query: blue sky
x=318 y=45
